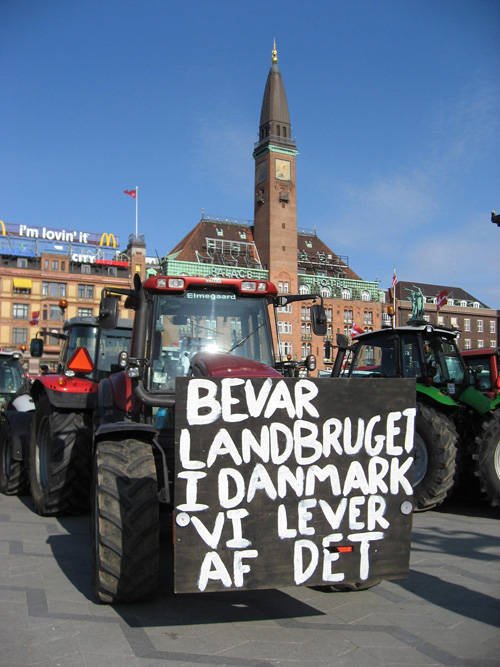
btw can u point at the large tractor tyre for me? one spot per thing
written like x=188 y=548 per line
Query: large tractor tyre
x=125 y=522
x=348 y=588
x=60 y=460
x=488 y=460
x=13 y=474
x=435 y=449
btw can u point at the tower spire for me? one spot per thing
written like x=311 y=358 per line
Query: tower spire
x=274 y=57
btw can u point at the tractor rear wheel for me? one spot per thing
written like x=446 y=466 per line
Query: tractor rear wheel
x=60 y=460
x=13 y=474
x=125 y=522
x=488 y=460
x=435 y=450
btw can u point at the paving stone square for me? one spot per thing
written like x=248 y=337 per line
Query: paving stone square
x=446 y=613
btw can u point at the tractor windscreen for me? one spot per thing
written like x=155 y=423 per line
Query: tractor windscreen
x=374 y=359
x=11 y=378
x=481 y=367
x=443 y=357
x=78 y=336
x=111 y=343
x=205 y=322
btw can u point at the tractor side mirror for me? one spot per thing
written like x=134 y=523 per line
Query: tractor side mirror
x=311 y=362
x=108 y=313
x=36 y=347
x=318 y=318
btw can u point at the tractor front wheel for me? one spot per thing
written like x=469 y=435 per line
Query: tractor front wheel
x=125 y=522
x=488 y=460
x=60 y=460
x=13 y=474
x=435 y=450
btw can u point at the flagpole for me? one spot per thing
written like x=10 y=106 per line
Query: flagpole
x=394 y=300
x=136 y=210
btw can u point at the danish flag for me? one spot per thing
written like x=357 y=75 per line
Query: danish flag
x=441 y=299
x=356 y=329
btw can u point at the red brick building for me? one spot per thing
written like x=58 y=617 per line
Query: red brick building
x=275 y=248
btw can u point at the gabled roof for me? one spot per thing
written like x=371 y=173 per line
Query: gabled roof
x=216 y=242
x=430 y=290
x=316 y=257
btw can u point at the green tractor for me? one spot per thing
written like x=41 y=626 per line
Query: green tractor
x=457 y=428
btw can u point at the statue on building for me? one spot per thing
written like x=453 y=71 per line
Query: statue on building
x=417 y=304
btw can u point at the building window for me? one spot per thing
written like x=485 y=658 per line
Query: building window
x=63 y=266
x=480 y=343
x=54 y=265
x=20 y=311
x=329 y=314
x=480 y=326
x=21 y=290
x=54 y=312
x=440 y=319
x=51 y=312
x=347 y=316
x=85 y=312
x=284 y=327
x=285 y=309
x=85 y=268
x=283 y=287
x=306 y=313
x=346 y=294
x=493 y=343
x=306 y=350
x=476 y=304
x=492 y=326
x=53 y=289
x=53 y=340
x=19 y=335
x=466 y=324
x=368 y=318
x=22 y=263
x=285 y=348
x=365 y=296
x=306 y=328
x=454 y=322
x=85 y=291
x=463 y=304
x=467 y=343
x=46 y=264
x=112 y=271
x=304 y=289
x=325 y=292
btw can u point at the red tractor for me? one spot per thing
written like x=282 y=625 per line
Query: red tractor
x=59 y=449
x=272 y=480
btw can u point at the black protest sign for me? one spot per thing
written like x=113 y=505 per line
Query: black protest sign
x=292 y=481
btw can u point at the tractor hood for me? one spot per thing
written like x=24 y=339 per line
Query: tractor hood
x=208 y=364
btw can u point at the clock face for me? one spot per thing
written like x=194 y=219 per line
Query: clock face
x=283 y=170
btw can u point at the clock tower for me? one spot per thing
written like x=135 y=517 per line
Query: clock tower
x=275 y=216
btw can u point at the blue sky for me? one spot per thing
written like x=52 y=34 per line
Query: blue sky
x=395 y=106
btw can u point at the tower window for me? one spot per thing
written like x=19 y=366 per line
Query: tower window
x=278 y=129
x=284 y=131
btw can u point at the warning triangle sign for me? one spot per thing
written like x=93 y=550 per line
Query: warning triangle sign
x=80 y=361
